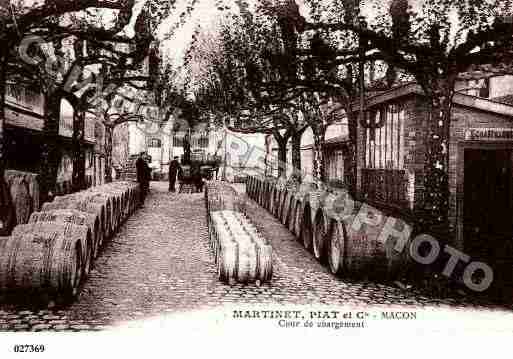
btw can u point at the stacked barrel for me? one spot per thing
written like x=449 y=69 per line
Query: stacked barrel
x=330 y=226
x=240 y=251
x=54 y=252
x=24 y=191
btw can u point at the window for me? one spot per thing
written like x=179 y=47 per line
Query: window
x=384 y=146
x=154 y=142
x=178 y=140
x=484 y=90
x=199 y=139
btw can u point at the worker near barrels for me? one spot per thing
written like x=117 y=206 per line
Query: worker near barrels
x=142 y=175
x=174 y=167
x=197 y=179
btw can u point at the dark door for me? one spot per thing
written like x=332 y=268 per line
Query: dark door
x=488 y=225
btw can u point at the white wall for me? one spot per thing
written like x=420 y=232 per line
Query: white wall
x=501 y=85
x=334 y=130
x=136 y=140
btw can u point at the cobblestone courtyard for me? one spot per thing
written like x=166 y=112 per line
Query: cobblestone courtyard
x=160 y=262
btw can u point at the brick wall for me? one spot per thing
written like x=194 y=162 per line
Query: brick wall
x=464 y=118
x=415 y=146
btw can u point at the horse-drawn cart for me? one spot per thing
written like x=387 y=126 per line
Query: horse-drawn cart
x=198 y=169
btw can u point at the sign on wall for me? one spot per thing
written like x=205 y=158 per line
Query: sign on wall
x=489 y=134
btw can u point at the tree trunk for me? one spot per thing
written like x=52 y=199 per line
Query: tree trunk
x=78 y=178
x=282 y=158
x=51 y=153
x=296 y=154
x=108 y=153
x=319 y=160
x=436 y=168
x=352 y=165
x=7 y=216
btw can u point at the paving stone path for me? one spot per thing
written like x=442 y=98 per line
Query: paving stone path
x=160 y=262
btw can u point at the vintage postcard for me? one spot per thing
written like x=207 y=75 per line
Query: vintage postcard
x=220 y=177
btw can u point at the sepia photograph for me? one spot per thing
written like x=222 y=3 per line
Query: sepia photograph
x=228 y=176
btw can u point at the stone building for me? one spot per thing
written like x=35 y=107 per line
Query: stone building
x=391 y=160
x=334 y=152
x=24 y=122
x=161 y=143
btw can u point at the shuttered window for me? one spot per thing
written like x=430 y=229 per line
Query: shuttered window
x=384 y=145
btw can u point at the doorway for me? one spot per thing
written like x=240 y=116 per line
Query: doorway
x=487 y=208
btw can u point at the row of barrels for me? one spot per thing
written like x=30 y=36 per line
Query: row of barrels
x=53 y=253
x=330 y=226
x=25 y=193
x=240 y=251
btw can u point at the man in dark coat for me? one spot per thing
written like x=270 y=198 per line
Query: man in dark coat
x=174 y=167
x=196 y=176
x=148 y=174
x=140 y=166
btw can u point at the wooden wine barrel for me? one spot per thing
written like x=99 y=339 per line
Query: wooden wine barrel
x=83 y=204
x=306 y=232
x=272 y=203
x=286 y=207
x=133 y=194
x=320 y=233
x=277 y=203
x=21 y=199
x=293 y=213
x=227 y=261
x=336 y=246
x=264 y=270
x=270 y=193
x=281 y=202
x=104 y=205
x=92 y=221
x=251 y=191
x=118 y=192
x=80 y=231
x=249 y=184
x=255 y=191
x=222 y=196
x=247 y=262
x=47 y=259
x=338 y=205
x=276 y=199
x=266 y=198
x=261 y=193
x=366 y=256
x=299 y=216
x=32 y=180
x=301 y=199
x=122 y=190
x=108 y=203
x=118 y=195
x=249 y=181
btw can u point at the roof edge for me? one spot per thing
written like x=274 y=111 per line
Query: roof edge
x=459 y=99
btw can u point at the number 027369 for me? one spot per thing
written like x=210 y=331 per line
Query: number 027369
x=29 y=348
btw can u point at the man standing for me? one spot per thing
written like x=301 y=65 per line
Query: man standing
x=174 y=166
x=196 y=176
x=140 y=166
x=148 y=173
